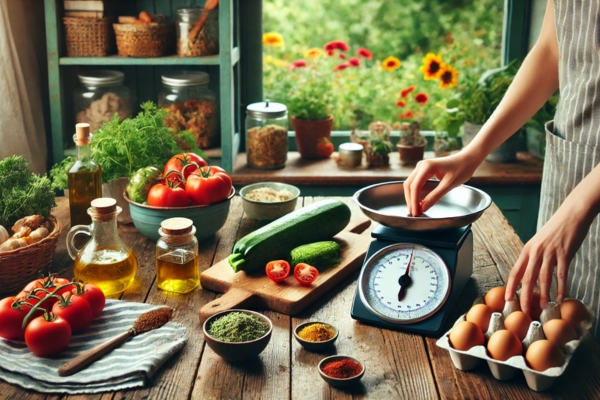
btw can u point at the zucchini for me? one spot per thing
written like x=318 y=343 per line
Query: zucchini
x=320 y=255
x=319 y=221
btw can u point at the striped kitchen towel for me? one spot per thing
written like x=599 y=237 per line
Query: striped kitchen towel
x=128 y=366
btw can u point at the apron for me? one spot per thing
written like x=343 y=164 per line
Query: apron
x=573 y=138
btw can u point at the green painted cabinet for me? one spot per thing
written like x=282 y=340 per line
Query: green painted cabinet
x=142 y=75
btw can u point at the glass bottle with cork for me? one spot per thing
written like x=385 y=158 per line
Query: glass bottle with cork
x=85 y=178
x=105 y=260
x=177 y=263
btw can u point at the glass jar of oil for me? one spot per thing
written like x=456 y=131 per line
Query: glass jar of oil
x=105 y=260
x=177 y=264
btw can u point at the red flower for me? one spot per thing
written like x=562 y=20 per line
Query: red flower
x=298 y=64
x=401 y=103
x=336 y=45
x=341 y=67
x=329 y=47
x=362 y=52
x=329 y=52
x=343 y=56
x=406 y=115
x=355 y=62
x=421 y=98
x=407 y=91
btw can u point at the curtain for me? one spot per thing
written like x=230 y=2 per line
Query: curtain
x=22 y=50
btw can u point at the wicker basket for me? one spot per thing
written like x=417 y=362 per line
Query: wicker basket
x=88 y=37
x=20 y=266
x=145 y=40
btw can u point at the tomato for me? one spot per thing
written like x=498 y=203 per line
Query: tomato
x=75 y=310
x=38 y=289
x=95 y=296
x=305 y=274
x=324 y=147
x=278 y=270
x=165 y=196
x=47 y=335
x=12 y=314
x=208 y=185
x=181 y=161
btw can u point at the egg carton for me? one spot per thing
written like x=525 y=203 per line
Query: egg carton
x=505 y=370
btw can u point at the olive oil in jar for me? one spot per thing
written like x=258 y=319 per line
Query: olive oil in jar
x=110 y=268
x=177 y=263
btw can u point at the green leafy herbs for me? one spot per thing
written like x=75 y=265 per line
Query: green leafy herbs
x=22 y=193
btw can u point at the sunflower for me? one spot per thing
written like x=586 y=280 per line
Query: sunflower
x=448 y=77
x=432 y=66
x=313 y=53
x=273 y=39
x=391 y=63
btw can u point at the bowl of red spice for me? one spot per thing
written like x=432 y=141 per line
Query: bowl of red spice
x=341 y=371
x=315 y=335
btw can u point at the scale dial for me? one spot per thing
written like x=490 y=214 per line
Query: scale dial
x=379 y=283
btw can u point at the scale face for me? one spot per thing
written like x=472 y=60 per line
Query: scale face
x=404 y=283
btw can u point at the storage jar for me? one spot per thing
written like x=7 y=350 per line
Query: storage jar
x=350 y=155
x=191 y=105
x=266 y=135
x=194 y=42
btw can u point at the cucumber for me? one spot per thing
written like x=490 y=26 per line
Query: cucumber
x=320 y=255
x=319 y=221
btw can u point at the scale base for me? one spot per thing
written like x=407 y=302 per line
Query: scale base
x=454 y=246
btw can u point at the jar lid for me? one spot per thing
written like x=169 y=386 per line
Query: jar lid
x=266 y=109
x=186 y=78
x=104 y=205
x=101 y=77
x=177 y=226
x=351 y=147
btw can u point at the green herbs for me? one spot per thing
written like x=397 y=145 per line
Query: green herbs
x=22 y=193
x=238 y=327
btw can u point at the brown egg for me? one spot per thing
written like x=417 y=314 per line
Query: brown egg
x=574 y=312
x=465 y=335
x=518 y=323
x=480 y=315
x=559 y=332
x=494 y=298
x=503 y=345
x=543 y=354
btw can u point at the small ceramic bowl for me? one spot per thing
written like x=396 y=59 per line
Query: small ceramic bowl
x=268 y=211
x=237 y=351
x=340 y=382
x=315 y=346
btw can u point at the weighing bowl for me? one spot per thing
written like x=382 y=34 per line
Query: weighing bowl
x=207 y=219
x=315 y=346
x=237 y=351
x=385 y=203
x=340 y=382
x=268 y=211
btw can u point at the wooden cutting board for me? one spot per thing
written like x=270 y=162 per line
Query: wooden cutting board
x=256 y=290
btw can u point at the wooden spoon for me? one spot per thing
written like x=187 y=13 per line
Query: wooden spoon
x=208 y=7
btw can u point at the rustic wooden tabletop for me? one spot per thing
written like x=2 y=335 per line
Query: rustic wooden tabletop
x=398 y=365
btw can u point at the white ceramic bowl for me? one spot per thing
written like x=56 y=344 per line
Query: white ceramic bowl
x=269 y=211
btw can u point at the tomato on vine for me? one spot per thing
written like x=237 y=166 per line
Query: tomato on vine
x=208 y=185
x=76 y=310
x=184 y=162
x=47 y=335
x=94 y=295
x=170 y=194
x=12 y=314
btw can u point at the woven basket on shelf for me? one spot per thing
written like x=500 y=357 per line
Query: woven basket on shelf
x=88 y=37
x=18 y=267
x=145 y=40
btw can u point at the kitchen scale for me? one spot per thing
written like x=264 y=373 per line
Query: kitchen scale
x=416 y=270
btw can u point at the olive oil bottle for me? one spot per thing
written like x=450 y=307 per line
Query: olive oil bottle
x=85 y=178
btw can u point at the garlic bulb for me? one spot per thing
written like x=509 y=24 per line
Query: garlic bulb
x=3 y=234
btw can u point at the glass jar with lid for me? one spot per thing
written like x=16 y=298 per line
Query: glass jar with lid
x=266 y=135
x=195 y=39
x=177 y=262
x=99 y=95
x=191 y=105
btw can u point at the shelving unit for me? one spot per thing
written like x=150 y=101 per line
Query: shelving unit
x=62 y=73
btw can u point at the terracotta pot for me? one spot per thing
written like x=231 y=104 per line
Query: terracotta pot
x=410 y=154
x=308 y=134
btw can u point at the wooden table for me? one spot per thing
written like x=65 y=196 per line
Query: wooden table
x=398 y=365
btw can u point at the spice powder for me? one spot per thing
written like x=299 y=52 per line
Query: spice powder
x=316 y=333
x=342 y=369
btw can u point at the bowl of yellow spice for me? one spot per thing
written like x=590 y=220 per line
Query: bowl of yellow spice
x=316 y=336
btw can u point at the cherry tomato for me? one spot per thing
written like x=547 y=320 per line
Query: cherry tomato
x=278 y=270
x=165 y=196
x=95 y=296
x=75 y=310
x=38 y=290
x=47 y=335
x=305 y=274
x=208 y=185
x=324 y=147
x=12 y=313
x=187 y=160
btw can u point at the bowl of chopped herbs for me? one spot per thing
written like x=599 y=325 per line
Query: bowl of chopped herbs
x=316 y=336
x=237 y=335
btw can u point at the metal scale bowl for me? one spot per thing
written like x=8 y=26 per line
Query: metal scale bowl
x=417 y=268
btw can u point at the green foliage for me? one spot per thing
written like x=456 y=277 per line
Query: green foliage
x=309 y=93
x=22 y=193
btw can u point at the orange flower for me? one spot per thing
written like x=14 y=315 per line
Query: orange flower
x=448 y=77
x=273 y=39
x=432 y=66
x=405 y=92
x=421 y=98
x=406 y=115
x=313 y=53
x=391 y=63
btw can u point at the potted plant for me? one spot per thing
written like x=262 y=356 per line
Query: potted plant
x=411 y=144
x=376 y=143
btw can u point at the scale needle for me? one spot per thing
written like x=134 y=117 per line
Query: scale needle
x=405 y=280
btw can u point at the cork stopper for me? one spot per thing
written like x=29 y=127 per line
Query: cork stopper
x=104 y=205
x=176 y=226
x=82 y=134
